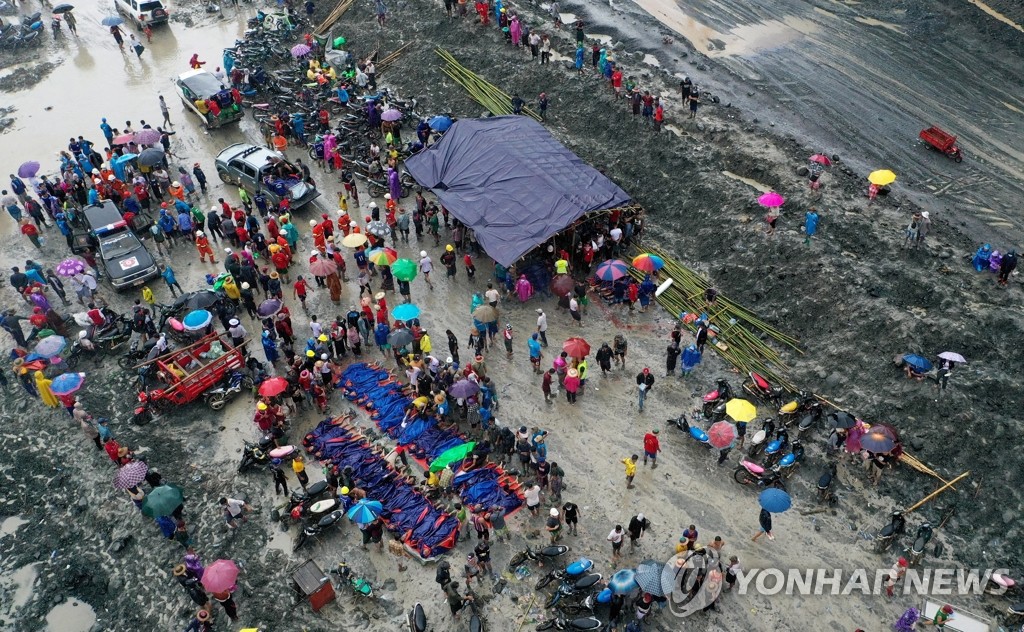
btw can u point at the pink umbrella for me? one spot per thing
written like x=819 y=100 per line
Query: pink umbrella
x=147 y=136
x=391 y=115
x=821 y=159
x=124 y=139
x=721 y=434
x=771 y=200
x=220 y=576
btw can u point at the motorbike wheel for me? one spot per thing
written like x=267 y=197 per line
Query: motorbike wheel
x=298 y=543
x=516 y=560
x=742 y=476
x=142 y=417
x=248 y=384
x=72 y=360
x=553 y=600
x=216 y=401
x=405 y=191
x=376 y=191
x=543 y=582
x=126 y=362
x=245 y=464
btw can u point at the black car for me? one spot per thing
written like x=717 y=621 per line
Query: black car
x=125 y=258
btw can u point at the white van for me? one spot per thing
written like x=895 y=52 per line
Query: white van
x=142 y=12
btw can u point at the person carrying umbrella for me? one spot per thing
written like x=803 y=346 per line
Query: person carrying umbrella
x=116 y=31
x=764 y=519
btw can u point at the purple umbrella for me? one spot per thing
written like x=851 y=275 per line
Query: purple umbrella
x=67 y=383
x=28 y=169
x=269 y=307
x=130 y=475
x=464 y=388
x=147 y=136
x=391 y=115
x=70 y=267
x=299 y=50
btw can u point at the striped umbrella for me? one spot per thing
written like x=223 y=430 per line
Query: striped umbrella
x=130 y=475
x=382 y=256
x=612 y=270
x=647 y=262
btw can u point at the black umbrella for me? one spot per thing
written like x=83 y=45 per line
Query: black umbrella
x=201 y=300
x=400 y=337
x=151 y=157
x=62 y=8
x=648 y=577
x=842 y=419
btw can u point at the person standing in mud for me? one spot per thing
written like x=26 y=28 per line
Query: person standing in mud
x=694 y=101
x=118 y=33
x=72 y=22
x=230 y=607
x=579 y=33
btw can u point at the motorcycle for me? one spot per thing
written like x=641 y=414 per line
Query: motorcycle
x=789 y=463
x=538 y=555
x=825 y=494
x=695 y=432
x=749 y=473
x=763 y=390
x=136 y=354
x=814 y=414
x=576 y=588
x=258 y=454
x=577 y=569
x=887 y=535
x=358 y=585
x=761 y=438
x=313 y=530
x=776 y=448
x=586 y=624
x=1002 y=585
x=417 y=619
x=144 y=409
x=230 y=386
x=794 y=407
x=714 y=402
x=104 y=341
x=921 y=540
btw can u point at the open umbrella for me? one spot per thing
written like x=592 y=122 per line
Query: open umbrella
x=404 y=269
x=612 y=270
x=112 y=20
x=721 y=434
x=67 y=383
x=269 y=307
x=382 y=256
x=62 y=8
x=365 y=511
x=220 y=576
x=881 y=177
x=771 y=199
x=821 y=159
x=648 y=577
x=28 y=169
x=623 y=582
x=576 y=347
x=562 y=285
x=485 y=314
x=953 y=357
x=299 y=50
x=151 y=157
x=273 y=387
x=920 y=363
x=391 y=115
x=70 y=267
x=148 y=136
x=405 y=311
x=354 y=240
x=842 y=419
x=124 y=139
x=451 y=455
x=196 y=320
x=162 y=501
x=322 y=267
x=50 y=346
x=774 y=500
x=648 y=262
x=740 y=410
x=463 y=389
x=877 y=440
x=130 y=475
x=399 y=338
x=204 y=299
x=378 y=229
x=440 y=123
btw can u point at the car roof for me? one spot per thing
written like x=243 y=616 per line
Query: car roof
x=104 y=218
x=201 y=82
x=251 y=154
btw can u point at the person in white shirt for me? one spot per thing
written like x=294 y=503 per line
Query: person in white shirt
x=616 y=236
x=492 y=295
x=615 y=537
x=233 y=510
x=542 y=326
x=426 y=267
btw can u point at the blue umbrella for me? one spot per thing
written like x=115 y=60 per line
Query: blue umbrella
x=112 y=20
x=51 y=346
x=775 y=500
x=440 y=123
x=405 y=311
x=67 y=383
x=196 y=320
x=623 y=582
x=920 y=363
x=365 y=511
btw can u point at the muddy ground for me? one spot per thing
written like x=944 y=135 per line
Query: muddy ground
x=854 y=297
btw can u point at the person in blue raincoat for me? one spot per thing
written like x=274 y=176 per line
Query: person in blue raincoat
x=185 y=221
x=291 y=234
x=691 y=358
x=93 y=196
x=647 y=289
x=579 y=59
x=108 y=131
x=981 y=258
x=299 y=127
x=269 y=347
x=380 y=337
x=810 y=225
x=168 y=225
x=229 y=62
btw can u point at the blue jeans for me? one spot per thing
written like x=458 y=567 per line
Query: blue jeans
x=642 y=396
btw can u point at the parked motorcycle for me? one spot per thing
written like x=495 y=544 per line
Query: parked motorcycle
x=542 y=555
x=586 y=624
x=791 y=461
x=417 y=619
x=258 y=454
x=750 y=473
x=695 y=432
x=760 y=388
x=577 y=569
x=825 y=482
x=814 y=414
x=229 y=387
x=921 y=540
x=577 y=589
x=136 y=354
x=888 y=534
x=762 y=438
x=776 y=448
x=795 y=407
x=359 y=585
x=714 y=402
x=314 y=529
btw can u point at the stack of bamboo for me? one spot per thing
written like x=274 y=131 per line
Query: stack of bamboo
x=742 y=335
x=335 y=15
x=486 y=94
x=386 y=61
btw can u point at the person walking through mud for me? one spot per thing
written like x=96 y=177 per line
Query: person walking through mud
x=644 y=384
x=764 y=519
x=118 y=33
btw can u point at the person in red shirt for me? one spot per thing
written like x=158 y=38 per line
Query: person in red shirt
x=633 y=292
x=326 y=226
x=617 y=82
x=142 y=194
x=272 y=228
x=382 y=317
x=242 y=233
x=301 y=289
x=470 y=268
x=29 y=230
x=213 y=107
x=280 y=261
x=651 y=448
x=659 y=115
x=281 y=241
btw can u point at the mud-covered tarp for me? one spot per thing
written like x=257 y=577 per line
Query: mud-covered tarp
x=510 y=181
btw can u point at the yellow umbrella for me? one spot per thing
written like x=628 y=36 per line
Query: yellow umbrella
x=740 y=410
x=882 y=177
x=354 y=240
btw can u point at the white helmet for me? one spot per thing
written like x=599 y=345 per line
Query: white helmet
x=423 y=253
x=312 y=222
x=200 y=233
x=214 y=208
x=373 y=205
x=553 y=512
x=387 y=196
x=82 y=334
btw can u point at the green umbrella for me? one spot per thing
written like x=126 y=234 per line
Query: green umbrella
x=162 y=501
x=452 y=455
x=404 y=269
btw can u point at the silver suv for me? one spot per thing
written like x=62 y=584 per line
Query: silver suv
x=259 y=169
x=142 y=12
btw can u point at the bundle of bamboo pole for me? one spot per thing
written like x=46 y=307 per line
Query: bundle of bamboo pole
x=386 y=61
x=743 y=336
x=484 y=93
x=334 y=16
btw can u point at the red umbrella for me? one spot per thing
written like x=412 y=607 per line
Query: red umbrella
x=322 y=267
x=563 y=285
x=273 y=387
x=220 y=576
x=576 y=347
x=721 y=434
x=821 y=159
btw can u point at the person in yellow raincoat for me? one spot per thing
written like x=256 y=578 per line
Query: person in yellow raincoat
x=45 y=394
x=147 y=295
x=231 y=289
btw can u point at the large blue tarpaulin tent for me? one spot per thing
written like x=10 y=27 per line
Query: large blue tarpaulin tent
x=510 y=181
